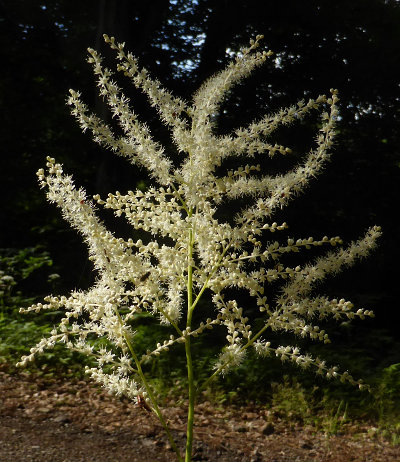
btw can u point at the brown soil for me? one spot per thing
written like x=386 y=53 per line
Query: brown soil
x=72 y=421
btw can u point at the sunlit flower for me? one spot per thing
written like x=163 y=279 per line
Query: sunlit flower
x=190 y=252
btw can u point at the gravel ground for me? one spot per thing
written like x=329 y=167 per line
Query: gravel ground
x=73 y=421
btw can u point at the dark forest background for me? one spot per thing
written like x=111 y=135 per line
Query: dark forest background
x=353 y=46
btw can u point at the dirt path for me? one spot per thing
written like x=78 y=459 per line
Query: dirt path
x=61 y=421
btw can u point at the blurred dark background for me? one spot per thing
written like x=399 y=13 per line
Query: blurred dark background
x=352 y=46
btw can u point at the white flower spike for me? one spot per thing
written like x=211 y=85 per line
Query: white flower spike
x=190 y=252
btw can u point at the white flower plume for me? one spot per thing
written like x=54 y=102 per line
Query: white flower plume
x=202 y=254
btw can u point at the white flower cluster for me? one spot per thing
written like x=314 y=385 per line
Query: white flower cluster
x=6 y=282
x=190 y=252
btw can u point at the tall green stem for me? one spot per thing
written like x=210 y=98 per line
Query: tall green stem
x=150 y=394
x=189 y=363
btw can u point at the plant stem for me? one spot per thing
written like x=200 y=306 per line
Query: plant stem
x=151 y=396
x=189 y=362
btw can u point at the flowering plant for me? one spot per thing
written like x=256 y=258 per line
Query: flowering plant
x=190 y=252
